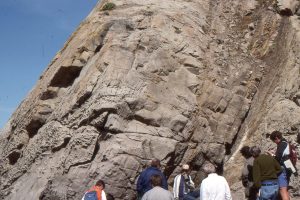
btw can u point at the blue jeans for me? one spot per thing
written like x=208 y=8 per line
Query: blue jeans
x=268 y=190
x=191 y=195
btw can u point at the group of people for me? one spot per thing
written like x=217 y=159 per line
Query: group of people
x=264 y=176
x=152 y=185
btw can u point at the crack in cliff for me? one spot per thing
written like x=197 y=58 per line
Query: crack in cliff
x=82 y=99
x=230 y=146
x=175 y=158
x=97 y=113
x=275 y=63
x=103 y=34
x=63 y=145
x=85 y=96
x=275 y=66
x=146 y=121
x=234 y=38
x=95 y=152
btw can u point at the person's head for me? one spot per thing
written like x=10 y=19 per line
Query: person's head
x=155 y=163
x=100 y=184
x=276 y=136
x=255 y=151
x=185 y=169
x=209 y=168
x=156 y=180
x=245 y=151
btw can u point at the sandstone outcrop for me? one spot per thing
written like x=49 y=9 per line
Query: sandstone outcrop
x=186 y=81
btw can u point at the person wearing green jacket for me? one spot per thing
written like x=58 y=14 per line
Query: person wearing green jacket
x=265 y=174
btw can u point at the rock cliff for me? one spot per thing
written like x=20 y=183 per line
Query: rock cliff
x=185 y=81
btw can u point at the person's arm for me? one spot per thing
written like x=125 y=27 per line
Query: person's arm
x=227 y=191
x=202 y=191
x=245 y=174
x=280 y=149
x=164 y=182
x=256 y=175
x=192 y=184
x=103 y=195
x=176 y=186
x=277 y=167
x=139 y=184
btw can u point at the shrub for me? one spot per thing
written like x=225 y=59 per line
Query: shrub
x=109 y=6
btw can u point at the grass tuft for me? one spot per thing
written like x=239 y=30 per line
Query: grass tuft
x=108 y=6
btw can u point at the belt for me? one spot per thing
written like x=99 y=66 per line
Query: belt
x=269 y=183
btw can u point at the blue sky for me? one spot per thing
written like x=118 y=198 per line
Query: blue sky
x=31 y=32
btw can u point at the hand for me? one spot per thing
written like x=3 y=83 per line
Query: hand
x=258 y=193
x=270 y=152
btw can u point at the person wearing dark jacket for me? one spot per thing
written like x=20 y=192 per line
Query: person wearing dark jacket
x=144 y=180
x=281 y=155
x=247 y=178
x=265 y=173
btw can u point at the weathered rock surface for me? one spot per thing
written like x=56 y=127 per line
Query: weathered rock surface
x=186 y=81
x=288 y=7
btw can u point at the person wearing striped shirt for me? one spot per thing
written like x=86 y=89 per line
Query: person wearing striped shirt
x=184 y=186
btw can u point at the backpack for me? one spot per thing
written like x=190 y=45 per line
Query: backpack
x=93 y=194
x=293 y=154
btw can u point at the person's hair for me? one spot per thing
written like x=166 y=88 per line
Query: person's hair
x=100 y=183
x=255 y=151
x=245 y=151
x=276 y=134
x=209 y=168
x=155 y=163
x=156 y=180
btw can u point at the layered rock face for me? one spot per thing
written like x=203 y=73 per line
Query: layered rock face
x=185 y=81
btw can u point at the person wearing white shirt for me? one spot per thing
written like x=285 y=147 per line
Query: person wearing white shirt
x=214 y=187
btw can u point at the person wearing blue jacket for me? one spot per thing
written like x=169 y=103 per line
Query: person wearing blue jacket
x=144 y=180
